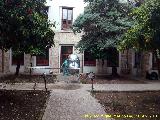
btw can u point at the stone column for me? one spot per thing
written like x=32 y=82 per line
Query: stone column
x=55 y=58
x=145 y=63
x=101 y=66
x=126 y=62
x=27 y=63
x=6 y=62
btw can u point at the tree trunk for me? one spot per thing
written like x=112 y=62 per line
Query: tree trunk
x=2 y=61
x=158 y=62
x=158 y=65
x=18 y=67
x=114 y=72
x=30 y=65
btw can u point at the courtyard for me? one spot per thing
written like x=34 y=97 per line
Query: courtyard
x=79 y=59
x=134 y=100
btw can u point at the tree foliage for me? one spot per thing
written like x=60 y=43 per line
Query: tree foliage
x=24 y=26
x=145 y=34
x=102 y=24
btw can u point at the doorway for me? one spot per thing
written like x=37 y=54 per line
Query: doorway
x=65 y=52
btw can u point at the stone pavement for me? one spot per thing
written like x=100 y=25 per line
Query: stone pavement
x=73 y=105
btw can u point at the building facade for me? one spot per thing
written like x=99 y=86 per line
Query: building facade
x=63 y=13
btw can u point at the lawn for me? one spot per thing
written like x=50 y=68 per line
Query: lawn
x=142 y=105
x=22 y=105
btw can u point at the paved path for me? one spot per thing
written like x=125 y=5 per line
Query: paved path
x=73 y=105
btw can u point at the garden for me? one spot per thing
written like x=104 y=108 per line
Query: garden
x=22 y=105
x=144 y=105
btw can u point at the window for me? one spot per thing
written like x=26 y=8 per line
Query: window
x=89 y=60
x=17 y=58
x=43 y=60
x=67 y=17
x=46 y=9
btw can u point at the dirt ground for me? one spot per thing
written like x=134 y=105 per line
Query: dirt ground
x=111 y=80
x=114 y=81
x=83 y=79
x=139 y=105
x=27 y=79
x=22 y=105
x=29 y=105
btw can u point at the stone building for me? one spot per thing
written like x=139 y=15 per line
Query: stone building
x=63 y=13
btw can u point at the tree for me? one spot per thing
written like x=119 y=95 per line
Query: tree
x=102 y=24
x=145 y=34
x=24 y=27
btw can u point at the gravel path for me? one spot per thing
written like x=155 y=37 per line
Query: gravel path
x=73 y=105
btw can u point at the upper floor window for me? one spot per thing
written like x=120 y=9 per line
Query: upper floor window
x=46 y=9
x=67 y=17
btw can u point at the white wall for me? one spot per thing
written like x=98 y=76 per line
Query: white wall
x=55 y=10
x=123 y=1
x=87 y=69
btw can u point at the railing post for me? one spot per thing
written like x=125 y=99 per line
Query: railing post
x=44 y=77
x=91 y=76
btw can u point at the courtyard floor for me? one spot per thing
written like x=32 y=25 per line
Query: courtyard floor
x=76 y=101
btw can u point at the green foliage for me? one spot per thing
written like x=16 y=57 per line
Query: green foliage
x=144 y=35
x=102 y=24
x=24 y=26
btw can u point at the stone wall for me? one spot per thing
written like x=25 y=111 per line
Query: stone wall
x=27 y=62
x=101 y=66
x=145 y=63
x=6 y=61
x=55 y=58
x=63 y=38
